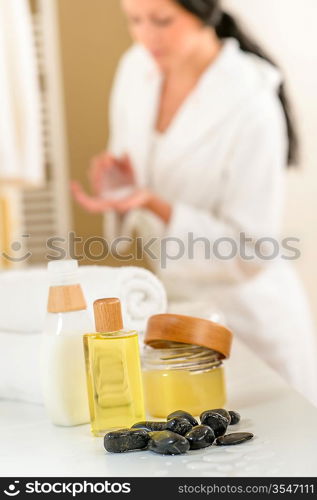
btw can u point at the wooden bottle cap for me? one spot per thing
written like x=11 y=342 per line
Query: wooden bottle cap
x=66 y=298
x=165 y=328
x=108 y=315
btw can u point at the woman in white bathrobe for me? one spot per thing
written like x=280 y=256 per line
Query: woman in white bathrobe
x=200 y=127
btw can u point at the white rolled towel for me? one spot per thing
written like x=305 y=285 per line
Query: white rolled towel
x=23 y=295
x=23 y=301
x=141 y=293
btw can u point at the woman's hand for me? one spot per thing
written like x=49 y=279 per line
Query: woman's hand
x=140 y=198
x=144 y=198
x=107 y=172
x=93 y=204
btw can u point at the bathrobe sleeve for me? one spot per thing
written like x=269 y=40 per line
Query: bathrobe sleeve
x=113 y=222
x=251 y=202
x=116 y=142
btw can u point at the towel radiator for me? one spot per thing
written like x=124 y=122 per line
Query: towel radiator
x=46 y=211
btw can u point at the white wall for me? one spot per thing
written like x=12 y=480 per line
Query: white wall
x=287 y=28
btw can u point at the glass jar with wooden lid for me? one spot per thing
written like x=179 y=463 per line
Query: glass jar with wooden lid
x=183 y=365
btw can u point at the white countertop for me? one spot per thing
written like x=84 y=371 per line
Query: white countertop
x=284 y=424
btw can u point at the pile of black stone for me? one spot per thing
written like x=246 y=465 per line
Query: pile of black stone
x=180 y=433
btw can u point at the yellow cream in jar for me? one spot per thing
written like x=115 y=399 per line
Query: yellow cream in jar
x=186 y=377
x=169 y=390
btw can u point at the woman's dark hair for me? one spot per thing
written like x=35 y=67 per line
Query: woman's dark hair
x=210 y=12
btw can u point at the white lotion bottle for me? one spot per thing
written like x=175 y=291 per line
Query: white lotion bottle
x=63 y=381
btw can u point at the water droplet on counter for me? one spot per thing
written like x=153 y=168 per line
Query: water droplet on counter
x=200 y=466
x=161 y=473
x=272 y=472
x=224 y=467
x=252 y=468
x=264 y=455
x=235 y=451
x=220 y=458
x=213 y=474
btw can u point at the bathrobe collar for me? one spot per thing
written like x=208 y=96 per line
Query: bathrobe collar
x=224 y=88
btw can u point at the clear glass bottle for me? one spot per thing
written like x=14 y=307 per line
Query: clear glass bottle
x=113 y=370
x=183 y=364
x=63 y=380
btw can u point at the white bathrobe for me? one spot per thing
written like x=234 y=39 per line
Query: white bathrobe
x=221 y=164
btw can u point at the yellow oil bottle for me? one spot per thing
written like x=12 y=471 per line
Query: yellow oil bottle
x=113 y=370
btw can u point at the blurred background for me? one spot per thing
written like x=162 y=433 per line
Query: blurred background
x=72 y=47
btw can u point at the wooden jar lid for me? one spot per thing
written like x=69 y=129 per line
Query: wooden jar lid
x=164 y=328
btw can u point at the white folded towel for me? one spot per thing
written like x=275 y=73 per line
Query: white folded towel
x=23 y=301
x=20 y=367
x=23 y=295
